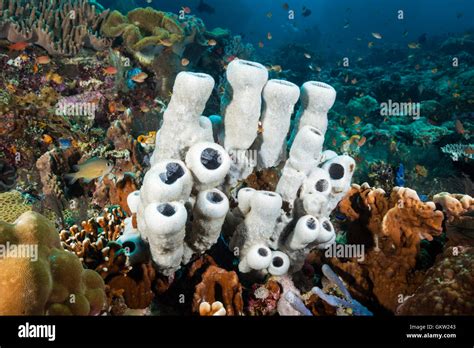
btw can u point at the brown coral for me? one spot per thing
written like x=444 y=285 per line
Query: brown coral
x=217 y=278
x=55 y=283
x=391 y=228
x=448 y=288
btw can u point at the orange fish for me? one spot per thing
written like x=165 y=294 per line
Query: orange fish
x=43 y=60
x=211 y=42
x=362 y=141
x=112 y=107
x=47 y=139
x=35 y=68
x=269 y=36
x=111 y=70
x=459 y=127
x=184 y=62
x=19 y=46
x=140 y=78
x=357 y=120
x=354 y=81
x=186 y=10
x=421 y=171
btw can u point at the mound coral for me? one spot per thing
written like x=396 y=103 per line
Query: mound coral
x=61 y=27
x=12 y=205
x=55 y=283
x=448 y=288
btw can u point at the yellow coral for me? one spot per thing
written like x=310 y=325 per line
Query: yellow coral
x=54 y=282
x=12 y=205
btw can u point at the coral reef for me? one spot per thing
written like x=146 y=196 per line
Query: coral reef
x=447 y=288
x=61 y=27
x=12 y=205
x=47 y=279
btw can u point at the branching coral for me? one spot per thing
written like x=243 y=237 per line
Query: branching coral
x=448 y=288
x=459 y=151
x=52 y=282
x=62 y=27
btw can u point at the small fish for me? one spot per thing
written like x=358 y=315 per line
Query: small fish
x=269 y=15
x=54 y=77
x=285 y=6
x=346 y=78
x=469 y=151
x=456 y=95
x=211 y=42
x=354 y=81
x=362 y=141
x=166 y=42
x=417 y=67
x=434 y=71
x=357 y=120
x=186 y=9
x=275 y=68
x=405 y=33
x=144 y=108
x=260 y=44
x=112 y=107
x=269 y=36
x=35 y=69
x=19 y=46
x=421 y=170
x=459 y=127
x=43 y=60
x=347 y=25
x=393 y=146
x=306 y=12
x=413 y=45
x=378 y=36
x=185 y=62
x=47 y=139
x=110 y=70
x=307 y=55
x=64 y=143
x=358 y=38
x=334 y=142
x=91 y=169
x=370 y=44
x=139 y=78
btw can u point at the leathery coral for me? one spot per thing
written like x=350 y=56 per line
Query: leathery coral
x=55 y=283
x=392 y=227
x=448 y=288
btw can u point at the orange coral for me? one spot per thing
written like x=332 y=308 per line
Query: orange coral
x=228 y=281
x=392 y=227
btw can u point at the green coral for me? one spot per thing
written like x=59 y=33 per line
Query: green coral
x=145 y=31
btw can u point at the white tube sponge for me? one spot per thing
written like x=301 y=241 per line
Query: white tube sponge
x=340 y=170
x=261 y=209
x=242 y=114
x=209 y=163
x=280 y=264
x=133 y=199
x=208 y=216
x=315 y=192
x=165 y=229
x=182 y=124
x=316 y=100
x=305 y=154
x=279 y=99
x=306 y=231
x=166 y=181
x=326 y=235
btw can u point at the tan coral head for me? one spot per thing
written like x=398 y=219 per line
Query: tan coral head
x=216 y=309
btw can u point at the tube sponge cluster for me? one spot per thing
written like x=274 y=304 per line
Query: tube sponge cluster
x=38 y=277
x=184 y=202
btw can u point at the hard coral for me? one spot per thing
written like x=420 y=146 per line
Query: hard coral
x=62 y=27
x=392 y=229
x=448 y=288
x=12 y=205
x=145 y=31
x=55 y=283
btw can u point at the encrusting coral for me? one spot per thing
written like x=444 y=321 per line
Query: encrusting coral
x=55 y=283
x=448 y=288
x=12 y=205
x=61 y=27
